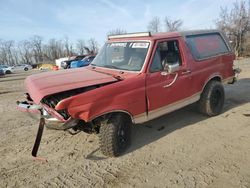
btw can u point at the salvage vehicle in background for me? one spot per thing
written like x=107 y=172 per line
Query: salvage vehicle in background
x=21 y=67
x=6 y=69
x=82 y=63
x=134 y=78
x=66 y=64
x=60 y=60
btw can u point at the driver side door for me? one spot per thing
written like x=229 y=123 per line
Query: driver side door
x=165 y=91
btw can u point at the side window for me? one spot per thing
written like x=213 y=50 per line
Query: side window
x=206 y=45
x=156 y=65
x=166 y=53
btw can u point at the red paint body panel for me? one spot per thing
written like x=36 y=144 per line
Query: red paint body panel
x=44 y=84
x=127 y=95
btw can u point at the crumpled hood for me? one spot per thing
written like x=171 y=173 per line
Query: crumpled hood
x=40 y=85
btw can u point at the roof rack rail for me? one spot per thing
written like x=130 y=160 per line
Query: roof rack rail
x=140 y=34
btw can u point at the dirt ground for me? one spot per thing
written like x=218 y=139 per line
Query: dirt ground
x=181 y=149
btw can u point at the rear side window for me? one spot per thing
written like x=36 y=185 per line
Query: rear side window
x=206 y=45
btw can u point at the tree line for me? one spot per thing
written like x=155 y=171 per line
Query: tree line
x=235 y=23
x=36 y=50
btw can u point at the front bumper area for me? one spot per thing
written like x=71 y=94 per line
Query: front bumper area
x=29 y=107
x=45 y=119
x=50 y=121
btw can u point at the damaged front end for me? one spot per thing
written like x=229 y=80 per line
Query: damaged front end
x=47 y=93
x=59 y=120
x=45 y=119
x=56 y=119
x=51 y=122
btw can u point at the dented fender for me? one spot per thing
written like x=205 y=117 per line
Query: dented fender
x=126 y=96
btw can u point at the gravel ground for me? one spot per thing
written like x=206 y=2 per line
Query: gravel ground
x=181 y=149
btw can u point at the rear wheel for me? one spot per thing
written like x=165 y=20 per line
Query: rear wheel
x=115 y=135
x=212 y=99
x=26 y=69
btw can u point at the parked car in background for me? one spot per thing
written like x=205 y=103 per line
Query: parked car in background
x=60 y=60
x=6 y=69
x=82 y=63
x=2 y=72
x=21 y=67
x=66 y=64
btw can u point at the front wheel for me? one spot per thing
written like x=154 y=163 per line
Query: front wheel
x=115 y=135
x=212 y=99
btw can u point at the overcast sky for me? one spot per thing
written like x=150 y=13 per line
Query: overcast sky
x=82 y=19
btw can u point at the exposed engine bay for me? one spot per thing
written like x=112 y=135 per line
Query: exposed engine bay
x=52 y=100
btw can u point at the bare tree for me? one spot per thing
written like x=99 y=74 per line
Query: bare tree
x=3 y=53
x=25 y=50
x=55 y=49
x=173 y=25
x=117 y=31
x=87 y=50
x=93 y=46
x=154 y=25
x=7 y=49
x=16 y=56
x=246 y=46
x=36 y=42
x=236 y=24
x=67 y=46
x=80 y=46
x=71 y=50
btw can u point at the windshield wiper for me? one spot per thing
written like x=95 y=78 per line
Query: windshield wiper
x=119 y=78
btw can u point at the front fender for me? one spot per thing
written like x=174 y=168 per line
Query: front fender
x=90 y=111
x=126 y=96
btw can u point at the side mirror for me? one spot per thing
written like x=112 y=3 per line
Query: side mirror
x=171 y=68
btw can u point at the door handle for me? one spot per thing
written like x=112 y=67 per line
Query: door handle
x=186 y=72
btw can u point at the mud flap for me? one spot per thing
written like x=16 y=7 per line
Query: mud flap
x=38 y=141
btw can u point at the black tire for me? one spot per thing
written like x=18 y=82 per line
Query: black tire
x=8 y=72
x=212 y=99
x=115 y=135
x=26 y=69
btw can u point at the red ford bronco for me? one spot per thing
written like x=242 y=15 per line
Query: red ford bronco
x=134 y=78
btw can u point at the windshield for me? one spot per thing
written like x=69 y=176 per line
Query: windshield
x=122 y=55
